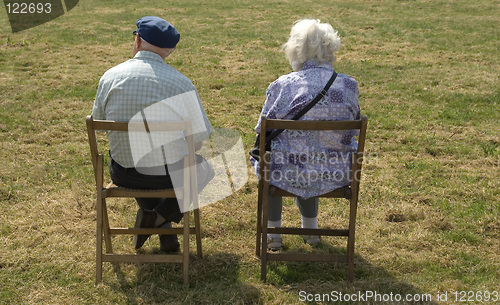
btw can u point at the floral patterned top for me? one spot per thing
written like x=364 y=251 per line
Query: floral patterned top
x=311 y=163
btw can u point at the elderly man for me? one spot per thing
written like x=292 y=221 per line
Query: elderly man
x=147 y=86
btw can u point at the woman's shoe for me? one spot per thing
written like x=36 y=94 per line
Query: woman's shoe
x=312 y=240
x=274 y=243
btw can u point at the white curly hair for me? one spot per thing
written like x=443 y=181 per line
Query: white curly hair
x=311 y=40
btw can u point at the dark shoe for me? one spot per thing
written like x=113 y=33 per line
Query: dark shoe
x=168 y=243
x=144 y=219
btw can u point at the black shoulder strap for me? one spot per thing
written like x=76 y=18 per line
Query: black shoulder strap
x=318 y=97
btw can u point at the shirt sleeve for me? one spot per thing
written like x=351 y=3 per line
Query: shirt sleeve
x=208 y=126
x=271 y=93
x=353 y=99
x=99 y=103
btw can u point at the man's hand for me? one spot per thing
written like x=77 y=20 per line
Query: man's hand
x=197 y=146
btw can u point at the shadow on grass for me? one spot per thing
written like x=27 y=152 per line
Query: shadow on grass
x=319 y=283
x=223 y=278
x=212 y=280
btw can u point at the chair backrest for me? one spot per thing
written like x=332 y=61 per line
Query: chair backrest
x=361 y=125
x=94 y=126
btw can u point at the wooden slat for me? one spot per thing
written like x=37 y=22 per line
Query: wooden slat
x=344 y=192
x=149 y=231
x=142 y=258
x=138 y=126
x=118 y=191
x=313 y=125
x=109 y=125
x=306 y=257
x=303 y=231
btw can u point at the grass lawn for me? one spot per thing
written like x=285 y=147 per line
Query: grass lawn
x=428 y=220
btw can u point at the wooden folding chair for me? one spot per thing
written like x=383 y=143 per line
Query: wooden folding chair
x=105 y=232
x=349 y=192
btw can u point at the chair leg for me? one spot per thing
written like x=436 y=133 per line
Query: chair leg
x=259 y=221
x=198 y=233
x=105 y=227
x=263 y=259
x=352 y=235
x=186 y=248
x=98 y=252
x=350 y=255
x=259 y=233
x=100 y=209
x=263 y=236
x=350 y=270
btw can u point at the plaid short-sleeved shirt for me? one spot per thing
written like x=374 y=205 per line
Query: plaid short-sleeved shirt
x=146 y=88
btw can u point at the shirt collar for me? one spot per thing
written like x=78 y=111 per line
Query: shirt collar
x=147 y=55
x=312 y=64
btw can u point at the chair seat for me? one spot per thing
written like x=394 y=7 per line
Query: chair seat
x=113 y=190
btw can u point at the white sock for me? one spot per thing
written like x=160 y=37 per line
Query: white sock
x=274 y=224
x=309 y=223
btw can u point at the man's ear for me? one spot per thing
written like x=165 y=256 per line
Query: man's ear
x=137 y=41
x=137 y=45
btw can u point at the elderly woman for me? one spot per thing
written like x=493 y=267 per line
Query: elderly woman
x=308 y=163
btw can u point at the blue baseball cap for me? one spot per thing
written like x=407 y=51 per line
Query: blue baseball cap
x=157 y=32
